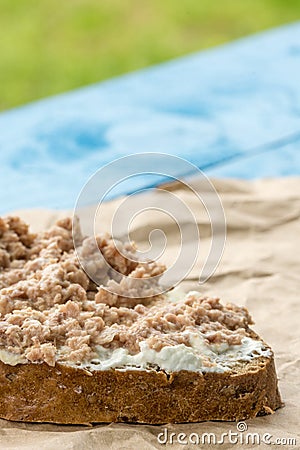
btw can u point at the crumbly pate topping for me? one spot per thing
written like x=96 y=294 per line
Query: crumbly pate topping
x=51 y=311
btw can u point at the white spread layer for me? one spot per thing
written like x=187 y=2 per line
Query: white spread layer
x=11 y=358
x=200 y=357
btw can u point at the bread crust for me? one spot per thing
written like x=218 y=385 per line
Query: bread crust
x=68 y=395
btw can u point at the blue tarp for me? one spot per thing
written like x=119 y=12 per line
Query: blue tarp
x=234 y=111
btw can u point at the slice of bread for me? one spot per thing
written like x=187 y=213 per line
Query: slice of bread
x=75 y=354
x=64 y=394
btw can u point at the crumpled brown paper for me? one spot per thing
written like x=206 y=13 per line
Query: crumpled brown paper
x=260 y=269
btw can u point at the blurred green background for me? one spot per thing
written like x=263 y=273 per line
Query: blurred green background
x=50 y=46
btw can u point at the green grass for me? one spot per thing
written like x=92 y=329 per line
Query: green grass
x=50 y=46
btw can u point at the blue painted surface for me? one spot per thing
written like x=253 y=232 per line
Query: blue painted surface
x=233 y=111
